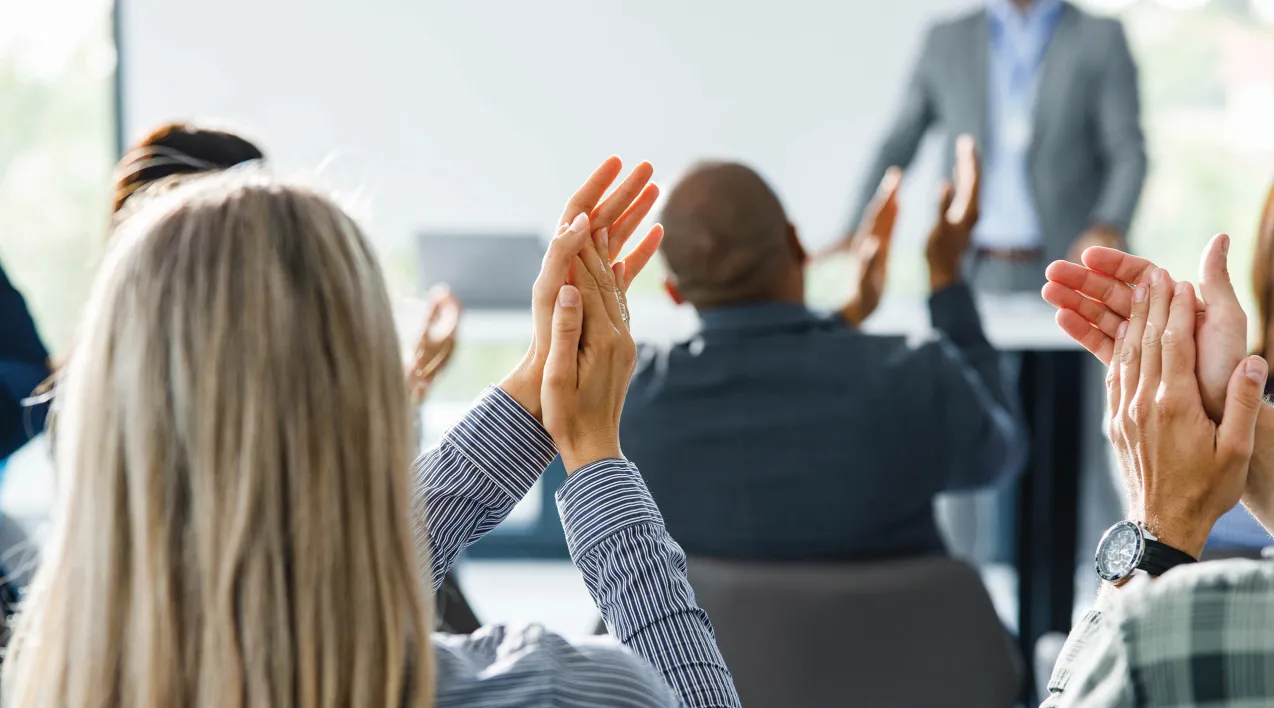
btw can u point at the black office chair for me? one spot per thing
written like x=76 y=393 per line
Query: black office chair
x=915 y=632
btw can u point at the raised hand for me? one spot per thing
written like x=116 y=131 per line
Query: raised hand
x=591 y=358
x=1093 y=299
x=437 y=341
x=869 y=249
x=614 y=219
x=957 y=214
x=1182 y=471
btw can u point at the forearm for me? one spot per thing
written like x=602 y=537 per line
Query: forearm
x=468 y=483
x=1259 y=495
x=636 y=574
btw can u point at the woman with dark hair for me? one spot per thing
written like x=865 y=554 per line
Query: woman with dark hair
x=179 y=149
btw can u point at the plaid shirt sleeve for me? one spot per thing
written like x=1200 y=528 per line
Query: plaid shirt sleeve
x=1202 y=636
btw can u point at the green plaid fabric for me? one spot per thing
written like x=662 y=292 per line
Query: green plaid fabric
x=1201 y=636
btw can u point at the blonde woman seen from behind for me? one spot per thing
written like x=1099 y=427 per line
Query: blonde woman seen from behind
x=231 y=444
x=233 y=525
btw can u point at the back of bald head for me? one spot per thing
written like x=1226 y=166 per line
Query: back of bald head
x=727 y=239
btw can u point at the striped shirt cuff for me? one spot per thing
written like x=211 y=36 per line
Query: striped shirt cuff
x=601 y=499
x=505 y=442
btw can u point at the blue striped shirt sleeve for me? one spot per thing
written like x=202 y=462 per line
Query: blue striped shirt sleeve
x=636 y=574
x=468 y=483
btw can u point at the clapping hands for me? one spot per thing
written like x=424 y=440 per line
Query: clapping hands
x=587 y=221
x=437 y=341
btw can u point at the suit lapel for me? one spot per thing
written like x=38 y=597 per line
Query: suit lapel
x=1058 y=67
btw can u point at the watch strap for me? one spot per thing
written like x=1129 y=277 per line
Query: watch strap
x=1159 y=557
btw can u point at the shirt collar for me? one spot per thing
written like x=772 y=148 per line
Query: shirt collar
x=1004 y=11
x=753 y=316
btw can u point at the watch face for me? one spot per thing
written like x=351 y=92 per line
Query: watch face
x=1119 y=551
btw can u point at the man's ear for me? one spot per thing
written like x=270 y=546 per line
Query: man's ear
x=670 y=287
x=794 y=243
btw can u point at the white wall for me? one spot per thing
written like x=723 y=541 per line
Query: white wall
x=485 y=114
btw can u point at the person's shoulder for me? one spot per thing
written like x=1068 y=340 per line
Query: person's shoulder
x=957 y=25
x=1232 y=594
x=1097 y=25
x=535 y=663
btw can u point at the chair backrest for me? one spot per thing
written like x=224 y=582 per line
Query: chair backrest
x=914 y=632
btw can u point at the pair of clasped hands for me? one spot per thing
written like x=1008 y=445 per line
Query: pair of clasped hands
x=575 y=374
x=1183 y=396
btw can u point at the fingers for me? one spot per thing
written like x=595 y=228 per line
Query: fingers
x=553 y=274
x=968 y=175
x=1120 y=265
x=628 y=222
x=1243 y=400
x=1089 y=337
x=1114 y=382
x=1130 y=348
x=1094 y=312
x=624 y=195
x=1214 y=274
x=602 y=275
x=1179 y=380
x=561 y=368
x=1152 y=335
x=597 y=300
x=631 y=266
x=1114 y=293
x=587 y=196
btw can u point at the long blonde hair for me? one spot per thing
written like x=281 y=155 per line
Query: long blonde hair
x=232 y=520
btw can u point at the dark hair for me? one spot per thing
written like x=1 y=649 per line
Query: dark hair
x=1263 y=276
x=177 y=149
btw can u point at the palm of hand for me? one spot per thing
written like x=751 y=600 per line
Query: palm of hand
x=1222 y=344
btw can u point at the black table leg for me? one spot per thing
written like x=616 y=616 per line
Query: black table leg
x=1052 y=390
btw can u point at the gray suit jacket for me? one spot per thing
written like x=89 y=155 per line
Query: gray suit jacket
x=1087 y=155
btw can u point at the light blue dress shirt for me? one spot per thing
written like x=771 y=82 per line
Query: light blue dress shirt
x=1018 y=43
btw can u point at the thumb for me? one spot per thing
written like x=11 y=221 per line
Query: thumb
x=560 y=368
x=1214 y=273
x=1243 y=399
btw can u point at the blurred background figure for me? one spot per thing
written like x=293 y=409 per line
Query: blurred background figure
x=24 y=366
x=1051 y=93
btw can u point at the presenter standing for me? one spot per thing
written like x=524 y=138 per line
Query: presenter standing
x=1050 y=93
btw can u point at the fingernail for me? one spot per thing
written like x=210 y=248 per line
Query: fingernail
x=1122 y=330
x=568 y=296
x=1139 y=295
x=1156 y=276
x=1182 y=287
x=579 y=224
x=603 y=238
x=1225 y=244
x=1256 y=369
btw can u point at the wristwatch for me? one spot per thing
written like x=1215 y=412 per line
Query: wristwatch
x=1129 y=546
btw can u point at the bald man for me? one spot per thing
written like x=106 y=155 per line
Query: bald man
x=777 y=433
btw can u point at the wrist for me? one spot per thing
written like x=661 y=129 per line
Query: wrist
x=524 y=388
x=943 y=275
x=1186 y=533
x=579 y=456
